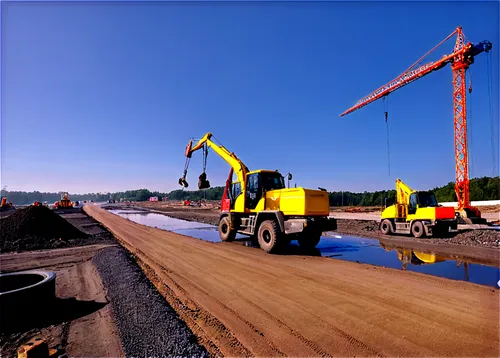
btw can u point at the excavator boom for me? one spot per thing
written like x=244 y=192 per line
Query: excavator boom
x=204 y=143
x=403 y=192
x=238 y=166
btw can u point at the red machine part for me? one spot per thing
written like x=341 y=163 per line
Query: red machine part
x=226 y=201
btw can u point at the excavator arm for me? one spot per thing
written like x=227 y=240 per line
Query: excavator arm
x=403 y=192
x=206 y=142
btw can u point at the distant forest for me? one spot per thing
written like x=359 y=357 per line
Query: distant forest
x=485 y=188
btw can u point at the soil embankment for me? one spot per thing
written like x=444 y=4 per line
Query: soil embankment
x=38 y=227
x=242 y=301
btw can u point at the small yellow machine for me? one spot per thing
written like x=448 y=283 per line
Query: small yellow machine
x=418 y=213
x=258 y=204
x=64 y=202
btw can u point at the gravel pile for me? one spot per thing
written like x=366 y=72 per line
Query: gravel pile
x=36 y=227
x=486 y=238
x=148 y=325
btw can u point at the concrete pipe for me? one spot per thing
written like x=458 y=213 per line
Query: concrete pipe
x=26 y=292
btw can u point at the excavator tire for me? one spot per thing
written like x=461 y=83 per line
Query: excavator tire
x=417 y=229
x=269 y=236
x=386 y=227
x=308 y=240
x=225 y=232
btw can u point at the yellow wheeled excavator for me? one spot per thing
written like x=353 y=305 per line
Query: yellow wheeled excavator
x=418 y=213
x=259 y=205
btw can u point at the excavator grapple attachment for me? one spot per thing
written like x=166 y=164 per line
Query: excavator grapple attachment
x=182 y=180
x=203 y=183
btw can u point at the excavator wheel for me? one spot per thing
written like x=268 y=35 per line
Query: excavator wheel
x=386 y=227
x=225 y=232
x=269 y=236
x=308 y=240
x=417 y=229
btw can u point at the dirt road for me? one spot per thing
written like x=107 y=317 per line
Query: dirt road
x=241 y=301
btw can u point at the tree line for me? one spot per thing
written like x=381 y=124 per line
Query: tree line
x=485 y=188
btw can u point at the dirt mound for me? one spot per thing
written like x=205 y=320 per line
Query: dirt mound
x=35 y=227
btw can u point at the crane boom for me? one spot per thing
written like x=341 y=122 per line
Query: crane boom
x=460 y=59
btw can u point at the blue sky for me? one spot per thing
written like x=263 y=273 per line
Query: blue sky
x=104 y=96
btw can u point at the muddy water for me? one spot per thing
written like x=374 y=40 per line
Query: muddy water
x=348 y=248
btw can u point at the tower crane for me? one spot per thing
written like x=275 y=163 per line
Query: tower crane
x=460 y=59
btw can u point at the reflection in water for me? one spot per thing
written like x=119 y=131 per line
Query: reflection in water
x=409 y=256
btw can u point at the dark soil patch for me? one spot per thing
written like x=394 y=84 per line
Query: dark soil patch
x=38 y=227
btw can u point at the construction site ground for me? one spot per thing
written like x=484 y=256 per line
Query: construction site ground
x=363 y=223
x=240 y=301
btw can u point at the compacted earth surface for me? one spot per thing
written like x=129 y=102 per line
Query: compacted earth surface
x=240 y=301
x=105 y=306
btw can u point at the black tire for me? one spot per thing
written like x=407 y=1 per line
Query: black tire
x=225 y=232
x=386 y=227
x=309 y=239
x=269 y=236
x=417 y=229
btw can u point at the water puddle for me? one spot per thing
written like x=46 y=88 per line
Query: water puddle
x=195 y=229
x=349 y=248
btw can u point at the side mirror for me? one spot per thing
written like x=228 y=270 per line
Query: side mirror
x=289 y=176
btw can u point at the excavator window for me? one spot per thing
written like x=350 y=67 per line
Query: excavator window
x=272 y=181
x=412 y=207
x=235 y=191
x=427 y=199
x=253 y=192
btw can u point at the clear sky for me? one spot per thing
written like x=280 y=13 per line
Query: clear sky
x=104 y=96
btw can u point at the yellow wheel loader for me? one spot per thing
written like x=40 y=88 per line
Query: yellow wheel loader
x=418 y=213
x=259 y=205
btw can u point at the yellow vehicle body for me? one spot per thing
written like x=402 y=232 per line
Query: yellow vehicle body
x=394 y=211
x=260 y=205
x=290 y=201
x=298 y=202
x=418 y=213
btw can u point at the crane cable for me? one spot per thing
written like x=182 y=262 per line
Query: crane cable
x=386 y=115
x=469 y=124
x=492 y=122
x=205 y=155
